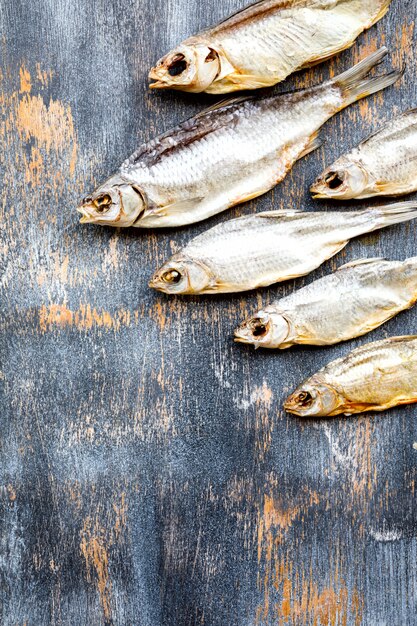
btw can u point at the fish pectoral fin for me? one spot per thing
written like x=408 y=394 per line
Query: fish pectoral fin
x=247 y=197
x=182 y=206
x=314 y=143
x=360 y=262
x=388 y=188
x=248 y=81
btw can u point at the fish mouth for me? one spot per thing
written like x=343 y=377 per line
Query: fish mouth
x=158 y=80
x=254 y=332
x=85 y=216
x=317 y=193
x=158 y=84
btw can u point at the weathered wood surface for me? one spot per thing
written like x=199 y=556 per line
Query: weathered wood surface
x=149 y=475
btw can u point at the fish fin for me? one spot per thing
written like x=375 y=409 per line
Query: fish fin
x=236 y=81
x=395 y=213
x=400 y=339
x=249 y=196
x=254 y=10
x=275 y=214
x=223 y=104
x=314 y=143
x=381 y=132
x=360 y=262
x=388 y=188
x=354 y=83
x=177 y=207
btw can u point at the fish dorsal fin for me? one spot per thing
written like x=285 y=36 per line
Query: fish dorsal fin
x=400 y=339
x=259 y=7
x=387 y=129
x=360 y=262
x=275 y=214
x=222 y=105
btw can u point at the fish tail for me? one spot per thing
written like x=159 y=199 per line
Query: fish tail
x=355 y=84
x=396 y=213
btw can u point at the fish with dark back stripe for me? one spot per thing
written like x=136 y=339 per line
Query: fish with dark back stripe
x=224 y=156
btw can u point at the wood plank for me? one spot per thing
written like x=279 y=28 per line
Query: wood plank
x=149 y=475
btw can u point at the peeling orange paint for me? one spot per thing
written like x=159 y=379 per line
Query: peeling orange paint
x=43 y=76
x=11 y=492
x=121 y=515
x=25 y=80
x=94 y=548
x=274 y=519
x=85 y=318
x=51 y=125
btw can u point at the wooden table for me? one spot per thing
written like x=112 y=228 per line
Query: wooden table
x=149 y=474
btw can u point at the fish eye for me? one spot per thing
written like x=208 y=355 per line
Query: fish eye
x=172 y=277
x=334 y=180
x=103 y=203
x=305 y=399
x=258 y=328
x=177 y=66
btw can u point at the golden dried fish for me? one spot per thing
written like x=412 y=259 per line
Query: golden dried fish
x=383 y=165
x=259 y=250
x=224 y=156
x=264 y=43
x=375 y=377
x=356 y=299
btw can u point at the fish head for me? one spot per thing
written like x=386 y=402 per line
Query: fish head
x=190 y=67
x=313 y=399
x=116 y=203
x=265 y=329
x=344 y=180
x=181 y=275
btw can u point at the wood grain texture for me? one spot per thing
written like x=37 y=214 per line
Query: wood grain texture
x=149 y=476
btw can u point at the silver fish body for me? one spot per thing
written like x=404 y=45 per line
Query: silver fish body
x=383 y=165
x=259 y=250
x=224 y=156
x=264 y=43
x=375 y=377
x=351 y=302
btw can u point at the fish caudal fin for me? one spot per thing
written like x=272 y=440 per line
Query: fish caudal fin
x=354 y=83
x=396 y=213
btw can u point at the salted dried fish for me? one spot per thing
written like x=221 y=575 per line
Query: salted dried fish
x=227 y=155
x=264 y=43
x=375 y=377
x=383 y=165
x=259 y=250
x=351 y=302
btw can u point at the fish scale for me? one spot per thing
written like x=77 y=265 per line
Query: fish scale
x=385 y=164
x=259 y=250
x=374 y=377
x=230 y=154
x=264 y=43
x=349 y=303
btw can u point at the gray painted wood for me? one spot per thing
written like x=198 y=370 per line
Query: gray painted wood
x=149 y=476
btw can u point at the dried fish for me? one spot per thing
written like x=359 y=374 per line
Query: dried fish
x=375 y=377
x=227 y=155
x=383 y=165
x=356 y=299
x=264 y=43
x=259 y=250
